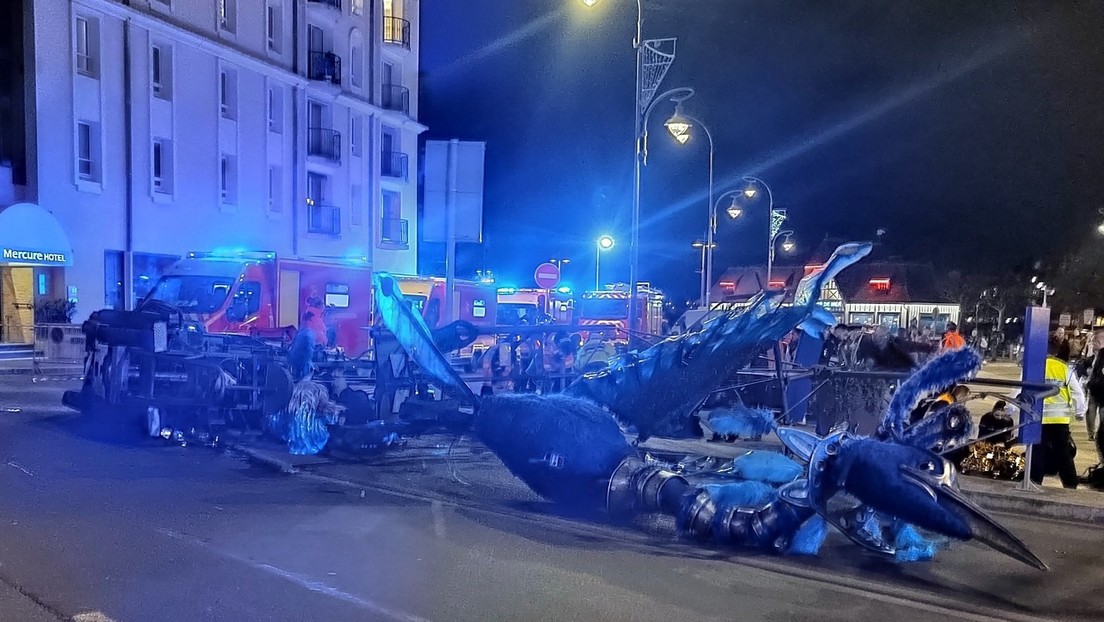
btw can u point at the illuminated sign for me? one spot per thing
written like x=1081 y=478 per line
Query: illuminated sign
x=11 y=254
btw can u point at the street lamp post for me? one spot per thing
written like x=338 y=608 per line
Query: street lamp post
x=679 y=126
x=787 y=246
x=774 y=221
x=646 y=86
x=559 y=262
x=704 y=285
x=603 y=243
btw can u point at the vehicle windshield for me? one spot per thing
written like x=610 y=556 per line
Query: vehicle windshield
x=193 y=293
x=416 y=302
x=604 y=308
x=513 y=313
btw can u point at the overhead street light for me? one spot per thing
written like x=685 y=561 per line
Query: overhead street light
x=604 y=243
x=788 y=243
x=734 y=210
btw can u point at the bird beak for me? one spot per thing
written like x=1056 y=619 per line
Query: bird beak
x=982 y=526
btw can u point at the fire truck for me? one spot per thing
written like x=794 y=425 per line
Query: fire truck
x=534 y=306
x=610 y=307
x=474 y=302
x=262 y=295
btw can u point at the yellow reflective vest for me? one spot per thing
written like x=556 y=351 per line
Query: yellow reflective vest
x=1058 y=408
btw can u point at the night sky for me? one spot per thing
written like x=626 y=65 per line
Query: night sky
x=970 y=131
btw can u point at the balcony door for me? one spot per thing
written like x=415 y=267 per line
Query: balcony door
x=315 y=39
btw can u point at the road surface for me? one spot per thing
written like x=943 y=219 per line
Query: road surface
x=98 y=523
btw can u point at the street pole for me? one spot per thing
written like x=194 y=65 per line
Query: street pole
x=711 y=212
x=597 y=265
x=638 y=138
x=450 y=234
x=772 y=227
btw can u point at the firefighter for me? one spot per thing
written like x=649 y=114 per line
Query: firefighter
x=1056 y=451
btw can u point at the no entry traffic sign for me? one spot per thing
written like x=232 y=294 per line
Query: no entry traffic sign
x=547 y=276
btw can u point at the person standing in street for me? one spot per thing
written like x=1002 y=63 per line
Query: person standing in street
x=1055 y=452
x=951 y=339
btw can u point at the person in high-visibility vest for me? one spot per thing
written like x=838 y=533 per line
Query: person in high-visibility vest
x=1055 y=452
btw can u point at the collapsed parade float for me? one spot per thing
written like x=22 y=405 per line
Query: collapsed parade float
x=891 y=491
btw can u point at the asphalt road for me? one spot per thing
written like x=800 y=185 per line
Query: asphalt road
x=100 y=523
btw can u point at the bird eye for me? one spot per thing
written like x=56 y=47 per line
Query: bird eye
x=928 y=466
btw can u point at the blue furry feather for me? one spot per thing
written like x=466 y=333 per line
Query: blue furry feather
x=913 y=547
x=938 y=374
x=741 y=421
x=564 y=448
x=767 y=466
x=301 y=354
x=810 y=537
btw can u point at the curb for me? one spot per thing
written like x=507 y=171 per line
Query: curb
x=1012 y=502
x=1016 y=502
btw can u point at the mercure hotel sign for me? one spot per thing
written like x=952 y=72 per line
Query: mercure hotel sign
x=12 y=254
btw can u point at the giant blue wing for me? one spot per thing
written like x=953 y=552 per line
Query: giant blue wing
x=414 y=336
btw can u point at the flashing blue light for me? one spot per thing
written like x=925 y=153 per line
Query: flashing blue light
x=507 y=290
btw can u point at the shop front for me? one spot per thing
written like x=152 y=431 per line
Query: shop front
x=34 y=252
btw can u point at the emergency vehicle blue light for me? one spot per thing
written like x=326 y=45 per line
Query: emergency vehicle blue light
x=507 y=290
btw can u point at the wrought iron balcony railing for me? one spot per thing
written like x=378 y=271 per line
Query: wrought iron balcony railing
x=396 y=98
x=324 y=143
x=325 y=66
x=394 y=164
x=324 y=219
x=396 y=31
x=395 y=232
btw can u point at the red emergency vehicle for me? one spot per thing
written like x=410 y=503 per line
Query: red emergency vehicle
x=474 y=302
x=257 y=293
x=610 y=307
x=533 y=306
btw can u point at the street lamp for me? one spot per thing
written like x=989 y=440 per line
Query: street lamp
x=679 y=127
x=559 y=262
x=1042 y=286
x=705 y=284
x=787 y=243
x=660 y=54
x=603 y=243
x=776 y=217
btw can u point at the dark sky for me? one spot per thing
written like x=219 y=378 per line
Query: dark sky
x=970 y=131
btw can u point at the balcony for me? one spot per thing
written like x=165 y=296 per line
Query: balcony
x=396 y=98
x=324 y=219
x=324 y=143
x=333 y=4
x=395 y=232
x=396 y=31
x=394 y=164
x=324 y=66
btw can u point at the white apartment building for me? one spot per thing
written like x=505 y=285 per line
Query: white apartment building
x=158 y=127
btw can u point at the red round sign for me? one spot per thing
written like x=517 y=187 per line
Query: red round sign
x=547 y=276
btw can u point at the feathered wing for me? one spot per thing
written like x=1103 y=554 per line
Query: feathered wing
x=658 y=389
x=415 y=337
x=937 y=374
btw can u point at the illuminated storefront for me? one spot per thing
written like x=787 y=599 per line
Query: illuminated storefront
x=34 y=252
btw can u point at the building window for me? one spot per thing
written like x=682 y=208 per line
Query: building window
x=228 y=93
x=161 y=71
x=356 y=7
x=228 y=15
x=228 y=180
x=356 y=64
x=356 y=209
x=88 y=151
x=86 y=46
x=274 y=200
x=275 y=109
x=393 y=8
x=274 y=28
x=393 y=228
x=356 y=134
x=162 y=166
x=316 y=188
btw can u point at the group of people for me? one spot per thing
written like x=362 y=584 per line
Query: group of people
x=534 y=364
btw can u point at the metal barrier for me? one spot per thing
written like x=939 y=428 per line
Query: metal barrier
x=59 y=350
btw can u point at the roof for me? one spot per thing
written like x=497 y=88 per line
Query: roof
x=907 y=282
x=896 y=282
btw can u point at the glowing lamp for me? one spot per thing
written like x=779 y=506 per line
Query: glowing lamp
x=788 y=244
x=679 y=127
x=750 y=192
x=605 y=242
x=590 y=2
x=734 y=210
